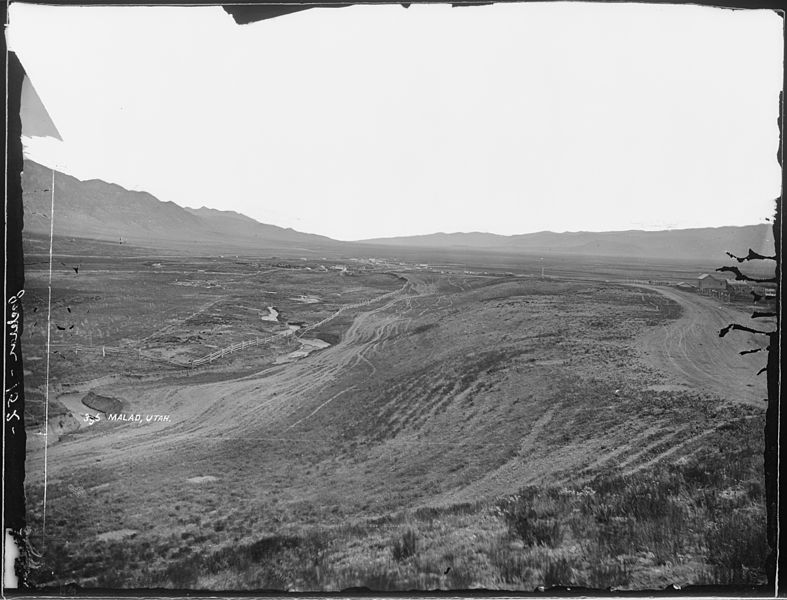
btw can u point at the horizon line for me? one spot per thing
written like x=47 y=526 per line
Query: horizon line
x=403 y=235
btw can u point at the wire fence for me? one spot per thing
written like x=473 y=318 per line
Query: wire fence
x=104 y=350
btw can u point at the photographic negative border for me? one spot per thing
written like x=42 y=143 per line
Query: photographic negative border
x=13 y=443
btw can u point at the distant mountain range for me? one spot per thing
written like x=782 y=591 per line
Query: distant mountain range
x=709 y=243
x=104 y=211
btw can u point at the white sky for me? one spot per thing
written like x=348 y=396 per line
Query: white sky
x=374 y=121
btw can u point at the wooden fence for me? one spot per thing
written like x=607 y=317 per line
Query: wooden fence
x=221 y=352
x=236 y=348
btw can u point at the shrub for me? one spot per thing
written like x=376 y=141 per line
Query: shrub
x=380 y=580
x=512 y=566
x=755 y=490
x=405 y=546
x=737 y=548
x=525 y=524
x=558 y=572
x=605 y=576
x=460 y=578
x=182 y=574
x=267 y=547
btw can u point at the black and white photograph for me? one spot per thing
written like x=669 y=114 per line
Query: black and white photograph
x=394 y=297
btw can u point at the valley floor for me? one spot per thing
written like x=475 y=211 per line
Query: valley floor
x=460 y=430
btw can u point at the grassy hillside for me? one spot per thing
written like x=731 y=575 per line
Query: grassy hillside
x=699 y=520
x=462 y=431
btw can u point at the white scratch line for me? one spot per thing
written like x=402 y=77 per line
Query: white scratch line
x=5 y=302
x=48 y=334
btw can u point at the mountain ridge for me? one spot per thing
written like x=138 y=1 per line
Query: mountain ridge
x=107 y=211
x=699 y=242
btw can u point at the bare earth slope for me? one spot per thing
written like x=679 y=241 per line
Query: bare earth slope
x=452 y=388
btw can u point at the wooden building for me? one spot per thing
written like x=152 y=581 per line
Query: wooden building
x=708 y=283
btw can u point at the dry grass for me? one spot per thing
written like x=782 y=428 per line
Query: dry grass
x=672 y=524
x=412 y=480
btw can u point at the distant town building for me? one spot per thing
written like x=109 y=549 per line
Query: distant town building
x=765 y=290
x=739 y=289
x=711 y=283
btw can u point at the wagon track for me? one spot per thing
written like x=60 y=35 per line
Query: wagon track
x=690 y=350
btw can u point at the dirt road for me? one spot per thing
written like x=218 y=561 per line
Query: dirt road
x=264 y=404
x=689 y=350
x=289 y=401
